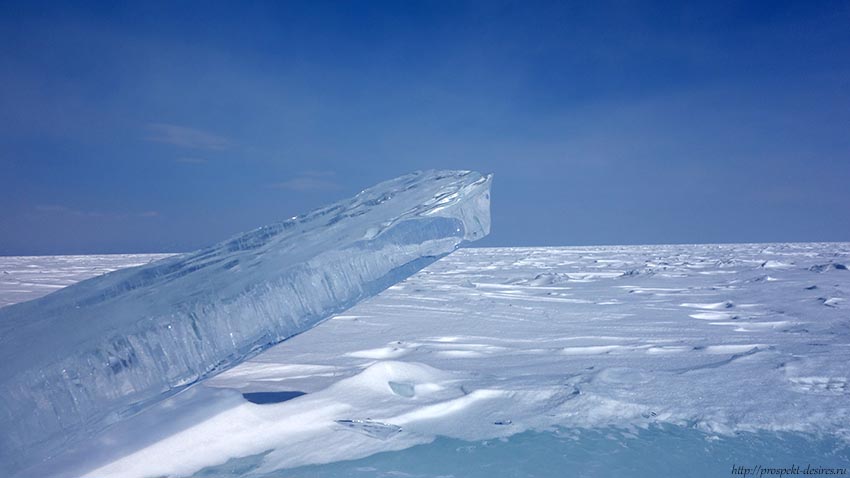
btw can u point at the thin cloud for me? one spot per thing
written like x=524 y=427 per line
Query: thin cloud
x=310 y=181
x=191 y=160
x=52 y=208
x=315 y=173
x=185 y=137
x=67 y=211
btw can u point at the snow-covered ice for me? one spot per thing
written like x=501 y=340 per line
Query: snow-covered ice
x=101 y=350
x=688 y=348
x=25 y=278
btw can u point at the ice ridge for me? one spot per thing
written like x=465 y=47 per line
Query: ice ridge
x=88 y=355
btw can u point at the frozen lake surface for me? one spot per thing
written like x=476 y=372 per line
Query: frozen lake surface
x=25 y=278
x=646 y=452
x=528 y=362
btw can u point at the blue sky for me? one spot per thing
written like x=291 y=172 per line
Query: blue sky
x=169 y=126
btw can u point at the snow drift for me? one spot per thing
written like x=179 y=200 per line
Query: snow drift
x=87 y=355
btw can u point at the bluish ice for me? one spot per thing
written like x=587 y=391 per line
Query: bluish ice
x=655 y=451
x=96 y=352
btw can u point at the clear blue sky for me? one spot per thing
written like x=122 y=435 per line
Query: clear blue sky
x=157 y=127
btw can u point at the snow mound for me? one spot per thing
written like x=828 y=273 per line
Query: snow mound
x=105 y=348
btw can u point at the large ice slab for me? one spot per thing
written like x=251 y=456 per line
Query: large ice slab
x=88 y=354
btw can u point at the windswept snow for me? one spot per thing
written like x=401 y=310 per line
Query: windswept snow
x=24 y=278
x=489 y=343
x=98 y=351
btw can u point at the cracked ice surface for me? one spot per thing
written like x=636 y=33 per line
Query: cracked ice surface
x=489 y=343
x=96 y=352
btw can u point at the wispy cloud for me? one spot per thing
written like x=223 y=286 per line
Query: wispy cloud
x=310 y=181
x=185 y=137
x=190 y=160
x=67 y=211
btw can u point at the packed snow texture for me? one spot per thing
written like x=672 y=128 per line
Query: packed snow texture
x=101 y=350
x=714 y=340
